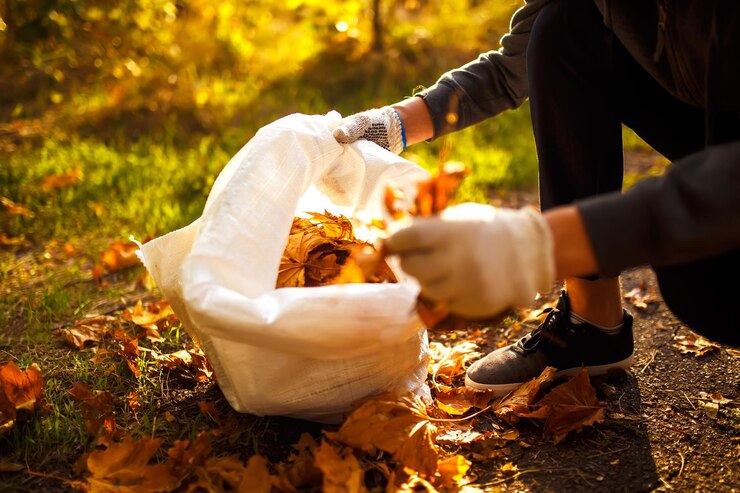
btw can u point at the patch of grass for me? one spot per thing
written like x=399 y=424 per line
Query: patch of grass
x=499 y=153
x=144 y=189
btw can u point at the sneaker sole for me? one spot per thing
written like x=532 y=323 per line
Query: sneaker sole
x=594 y=371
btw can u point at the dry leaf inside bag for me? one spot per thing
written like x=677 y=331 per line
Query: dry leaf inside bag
x=322 y=249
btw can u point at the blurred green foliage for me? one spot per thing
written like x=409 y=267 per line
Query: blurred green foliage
x=147 y=99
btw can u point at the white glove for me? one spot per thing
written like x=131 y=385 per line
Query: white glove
x=380 y=125
x=478 y=259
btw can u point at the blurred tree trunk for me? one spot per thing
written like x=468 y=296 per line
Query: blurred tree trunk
x=377 y=45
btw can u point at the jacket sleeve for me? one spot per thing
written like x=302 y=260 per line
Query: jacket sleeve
x=689 y=213
x=494 y=82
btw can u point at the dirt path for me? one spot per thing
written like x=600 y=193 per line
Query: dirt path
x=661 y=433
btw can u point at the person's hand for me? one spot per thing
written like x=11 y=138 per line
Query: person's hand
x=380 y=125
x=476 y=259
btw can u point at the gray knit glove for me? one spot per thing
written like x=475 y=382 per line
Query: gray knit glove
x=380 y=125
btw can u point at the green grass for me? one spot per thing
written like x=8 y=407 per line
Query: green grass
x=148 y=188
x=144 y=189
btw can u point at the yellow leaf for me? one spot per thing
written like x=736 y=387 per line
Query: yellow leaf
x=256 y=478
x=124 y=467
x=446 y=362
x=512 y=406
x=453 y=469
x=459 y=400
x=342 y=471
x=397 y=425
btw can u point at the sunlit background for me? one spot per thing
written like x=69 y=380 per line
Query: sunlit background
x=127 y=110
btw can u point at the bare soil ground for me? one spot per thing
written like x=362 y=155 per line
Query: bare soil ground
x=660 y=433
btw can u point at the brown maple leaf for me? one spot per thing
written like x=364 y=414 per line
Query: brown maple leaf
x=436 y=316
x=519 y=402
x=257 y=478
x=432 y=195
x=184 y=455
x=463 y=435
x=218 y=474
x=89 y=331
x=98 y=412
x=21 y=393
x=570 y=406
x=317 y=253
x=334 y=227
x=342 y=471
x=190 y=362
x=459 y=400
x=124 y=467
x=120 y=255
x=692 y=343
x=435 y=194
x=398 y=425
x=448 y=362
x=129 y=351
x=300 y=468
x=452 y=470
x=151 y=314
x=14 y=209
x=61 y=180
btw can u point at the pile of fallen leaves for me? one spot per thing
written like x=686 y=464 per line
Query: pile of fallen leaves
x=320 y=252
x=388 y=442
x=322 y=249
x=395 y=442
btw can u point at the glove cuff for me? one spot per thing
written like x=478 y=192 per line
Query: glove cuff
x=399 y=133
x=394 y=130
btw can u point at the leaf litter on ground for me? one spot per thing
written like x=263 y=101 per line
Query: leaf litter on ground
x=396 y=440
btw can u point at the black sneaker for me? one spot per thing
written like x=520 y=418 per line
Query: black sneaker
x=557 y=342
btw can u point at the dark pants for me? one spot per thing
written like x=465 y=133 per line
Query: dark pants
x=583 y=85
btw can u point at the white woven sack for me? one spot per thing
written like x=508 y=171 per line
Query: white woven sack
x=302 y=352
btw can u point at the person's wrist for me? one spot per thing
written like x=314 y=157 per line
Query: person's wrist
x=417 y=120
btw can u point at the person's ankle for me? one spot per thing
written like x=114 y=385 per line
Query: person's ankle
x=609 y=329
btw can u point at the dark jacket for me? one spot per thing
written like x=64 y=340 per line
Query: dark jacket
x=691 y=212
